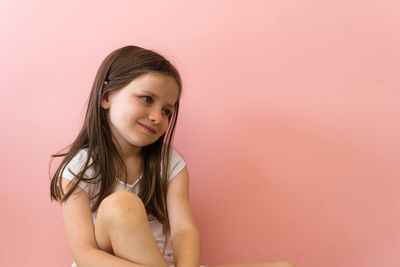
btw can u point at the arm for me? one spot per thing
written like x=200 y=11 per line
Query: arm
x=184 y=234
x=80 y=232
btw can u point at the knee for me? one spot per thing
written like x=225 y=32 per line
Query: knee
x=122 y=205
x=283 y=264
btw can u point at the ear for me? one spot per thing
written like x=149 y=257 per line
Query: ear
x=105 y=102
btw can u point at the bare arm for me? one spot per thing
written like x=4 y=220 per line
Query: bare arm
x=80 y=232
x=184 y=233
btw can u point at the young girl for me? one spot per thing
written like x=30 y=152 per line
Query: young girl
x=123 y=187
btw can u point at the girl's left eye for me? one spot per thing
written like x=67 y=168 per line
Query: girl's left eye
x=147 y=99
x=167 y=112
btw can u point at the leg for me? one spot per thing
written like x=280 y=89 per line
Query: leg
x=260 y=264
x=122 y=229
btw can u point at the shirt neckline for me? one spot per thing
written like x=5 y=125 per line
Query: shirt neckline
x=129 y=185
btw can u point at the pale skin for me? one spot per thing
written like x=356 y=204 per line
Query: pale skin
x=122 y=236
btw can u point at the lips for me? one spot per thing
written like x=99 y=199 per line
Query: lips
x=147 y=128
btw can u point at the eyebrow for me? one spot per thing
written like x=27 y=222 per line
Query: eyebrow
x=156 y=96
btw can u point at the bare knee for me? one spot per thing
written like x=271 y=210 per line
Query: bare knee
x=283 y=264
x=122 y=206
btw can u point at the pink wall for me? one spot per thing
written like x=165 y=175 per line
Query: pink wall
x=289 y=123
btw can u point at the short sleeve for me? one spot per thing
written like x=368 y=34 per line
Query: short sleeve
x=75 y=166
x=176 y=164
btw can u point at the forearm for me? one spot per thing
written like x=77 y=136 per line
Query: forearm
x=92 y=257
x=186 y=246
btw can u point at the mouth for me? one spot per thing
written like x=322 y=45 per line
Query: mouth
x=147 y=128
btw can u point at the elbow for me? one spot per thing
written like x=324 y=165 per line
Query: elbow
x=191 y=233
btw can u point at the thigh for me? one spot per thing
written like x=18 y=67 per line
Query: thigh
x=101 y=235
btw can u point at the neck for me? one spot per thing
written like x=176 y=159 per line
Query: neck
x=135 y=153
x=128 y=151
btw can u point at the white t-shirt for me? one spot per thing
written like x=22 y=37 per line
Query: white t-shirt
x=75 y=165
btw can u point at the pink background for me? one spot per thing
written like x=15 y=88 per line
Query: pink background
x=289 y=121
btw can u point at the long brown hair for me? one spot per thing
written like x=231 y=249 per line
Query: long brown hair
x=117 y=70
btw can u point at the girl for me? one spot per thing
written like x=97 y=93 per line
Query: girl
x=123 y=187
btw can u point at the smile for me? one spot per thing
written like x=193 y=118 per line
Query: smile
x=147 y=128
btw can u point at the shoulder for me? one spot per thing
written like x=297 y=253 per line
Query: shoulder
x=76 y=163
x=176 y=164
x=176 y=155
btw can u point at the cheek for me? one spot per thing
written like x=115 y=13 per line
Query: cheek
x=123 y=117
x=165 y=127
x=131 y=112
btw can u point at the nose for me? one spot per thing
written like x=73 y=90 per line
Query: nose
x=155 y=116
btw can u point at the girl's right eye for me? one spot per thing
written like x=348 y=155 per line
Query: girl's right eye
x=147 y=99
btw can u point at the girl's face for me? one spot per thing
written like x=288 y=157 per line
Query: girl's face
x=138 y=113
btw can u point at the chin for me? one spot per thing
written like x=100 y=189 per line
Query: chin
x=143 y=143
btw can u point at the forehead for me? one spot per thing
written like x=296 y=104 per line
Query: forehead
x=157 y=85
